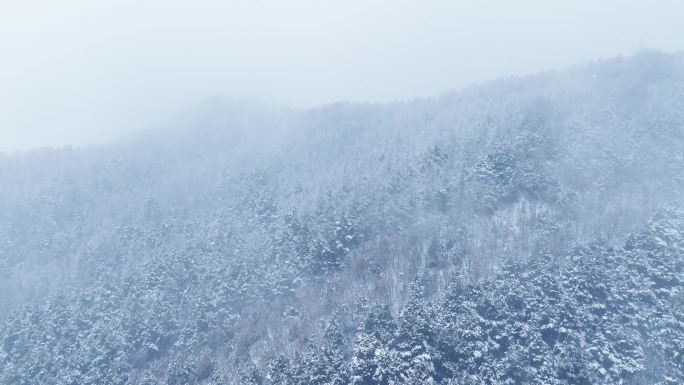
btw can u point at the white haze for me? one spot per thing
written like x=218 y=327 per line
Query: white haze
x=77 y=72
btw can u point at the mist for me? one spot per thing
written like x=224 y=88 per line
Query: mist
x=341 y=193
x=80 y=72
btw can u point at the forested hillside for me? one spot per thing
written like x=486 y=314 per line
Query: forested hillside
x=528 y=230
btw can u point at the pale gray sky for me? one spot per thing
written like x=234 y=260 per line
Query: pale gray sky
x=86 y=71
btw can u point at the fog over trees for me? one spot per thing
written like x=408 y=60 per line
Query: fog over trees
x=529 y=230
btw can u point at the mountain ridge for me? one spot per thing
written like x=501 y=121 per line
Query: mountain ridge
x=214 y=254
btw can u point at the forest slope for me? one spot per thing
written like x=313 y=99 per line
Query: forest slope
x=528 y=230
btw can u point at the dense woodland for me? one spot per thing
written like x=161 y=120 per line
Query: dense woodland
x=525 y=231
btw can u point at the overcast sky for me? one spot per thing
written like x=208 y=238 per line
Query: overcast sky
x=86 y=71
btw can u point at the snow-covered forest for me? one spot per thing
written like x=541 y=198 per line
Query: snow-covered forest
x=524 y=231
